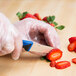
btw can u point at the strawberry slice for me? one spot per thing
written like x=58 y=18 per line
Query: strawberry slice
x=54 y=54
x=74 y=60
x=72 y=46
x=62 y=64
x=53 y=63
x=75 y=50
x=72 y=39
x=37 y=16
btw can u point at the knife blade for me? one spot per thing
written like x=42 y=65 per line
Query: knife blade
x=36 y=47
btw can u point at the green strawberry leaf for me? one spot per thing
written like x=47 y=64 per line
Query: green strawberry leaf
x=48 y=60
x=49 y=19
x=52 y=18
x=43 y=57
x=61 y=27
x=55 y=23
x=24 y=13
x=19 y=15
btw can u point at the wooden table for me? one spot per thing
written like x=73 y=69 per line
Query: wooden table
x=31 y=65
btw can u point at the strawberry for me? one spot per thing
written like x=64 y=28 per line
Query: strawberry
x=74 y=60
x=53 y=63
x=62 y=64
x=45 y=19
x=37 y=16
x=54 y=54
x=72 y=46
x=25 y=15
x=72 y=39
x=75 y=50
x=29 y=16
x=52 y=24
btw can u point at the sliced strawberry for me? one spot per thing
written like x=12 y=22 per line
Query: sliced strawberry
x=75 y=50
x=54 y=54
x=74 y=60
x=45 y=19
x=37 y=16
x=52 y=24
x=72 y=39
x=72 y=46
x=53 y=63
x=62 y=64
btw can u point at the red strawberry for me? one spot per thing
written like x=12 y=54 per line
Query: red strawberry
x=74 y=60
x=62 y=64
x=45 y=19
x=72 y=39
x=52 y=24
x=54 y=54
x=30 y=16
x=37 y=16
x=72 y=46
x=53 y=63
x=75 y=50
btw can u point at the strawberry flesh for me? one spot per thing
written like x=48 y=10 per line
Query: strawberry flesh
x=62 y=64
x=74 y=60
x=52 y=63
x=54 y=54
x=72 y=46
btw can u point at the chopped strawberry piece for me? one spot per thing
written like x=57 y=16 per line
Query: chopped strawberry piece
x=62 y=64
x=72 y=39
x=52 y=63
x=74 y=60
x=37 y=16
x=54 y=54
x=72 y=46
x=75 y=50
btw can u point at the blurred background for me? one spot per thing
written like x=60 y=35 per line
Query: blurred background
x=59 y=8
x=64 y=10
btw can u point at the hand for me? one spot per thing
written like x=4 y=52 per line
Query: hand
x=38 y=31
x=10 y=41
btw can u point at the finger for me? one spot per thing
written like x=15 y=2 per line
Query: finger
x=18 y=48
x=42 y=41
x=50 y=34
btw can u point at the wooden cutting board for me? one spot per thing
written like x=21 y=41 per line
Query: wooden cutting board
x=31 y=65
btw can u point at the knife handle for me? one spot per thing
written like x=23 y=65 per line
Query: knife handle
x=27 y=45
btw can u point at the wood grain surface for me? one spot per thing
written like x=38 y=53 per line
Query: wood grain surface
x=31 y=65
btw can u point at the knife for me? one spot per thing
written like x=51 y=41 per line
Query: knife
x=35 y=47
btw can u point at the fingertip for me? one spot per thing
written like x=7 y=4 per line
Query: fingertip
x=15 y=57
x=18 y=49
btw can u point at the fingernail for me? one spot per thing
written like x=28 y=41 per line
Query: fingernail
x=15 y=58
